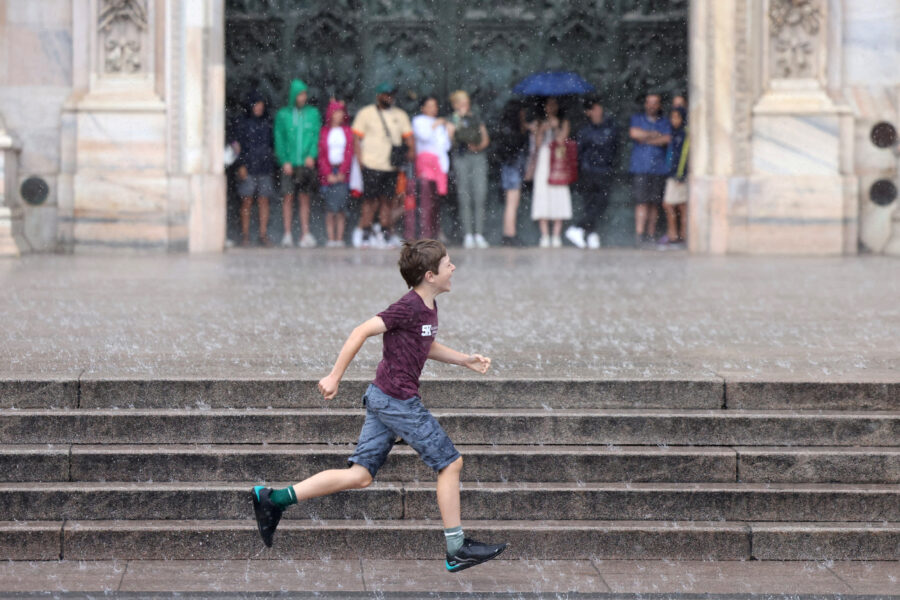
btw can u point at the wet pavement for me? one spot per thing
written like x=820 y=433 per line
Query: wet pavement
x=538 y=313
x=422 y=579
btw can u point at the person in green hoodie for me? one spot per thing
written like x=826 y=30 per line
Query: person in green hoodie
x=297 y=128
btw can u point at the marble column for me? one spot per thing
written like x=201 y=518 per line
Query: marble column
x=10 y=208
x=142 y=134
x=196 y=99
x=772 y=139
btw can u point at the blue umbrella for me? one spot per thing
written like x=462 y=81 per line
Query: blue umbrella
x=553 y=83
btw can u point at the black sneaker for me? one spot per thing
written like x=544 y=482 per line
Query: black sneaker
x=268 y=514
x=473 y=553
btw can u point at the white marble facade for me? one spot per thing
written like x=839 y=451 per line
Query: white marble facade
x=119 y=106
x=784 y=95
x=114 y=101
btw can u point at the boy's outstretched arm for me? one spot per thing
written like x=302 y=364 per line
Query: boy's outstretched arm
x=328 y=385
x=476 y=362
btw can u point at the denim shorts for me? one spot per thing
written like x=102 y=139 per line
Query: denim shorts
x=388 y=418
x=511 y=173
x=261 y=186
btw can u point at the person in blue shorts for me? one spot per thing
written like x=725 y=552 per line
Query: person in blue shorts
x=394 y=408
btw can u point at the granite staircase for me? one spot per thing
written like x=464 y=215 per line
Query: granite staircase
x=565 y=469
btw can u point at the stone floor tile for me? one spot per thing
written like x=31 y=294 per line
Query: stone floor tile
x=242 y=575
x=61 y=576
x=869 y=577
x=514 y=576
x=725 y=577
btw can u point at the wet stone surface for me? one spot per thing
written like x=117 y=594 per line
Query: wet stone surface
x=566 y=313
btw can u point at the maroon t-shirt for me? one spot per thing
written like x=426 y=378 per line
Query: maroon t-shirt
x=411 y=328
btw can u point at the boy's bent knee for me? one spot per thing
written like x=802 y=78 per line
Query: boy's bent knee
x=455 y=466
x=362 y=477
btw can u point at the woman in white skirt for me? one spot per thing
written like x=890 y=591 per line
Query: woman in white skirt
x=549 y=202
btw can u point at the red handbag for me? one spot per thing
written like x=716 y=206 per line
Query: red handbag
x=563 y=162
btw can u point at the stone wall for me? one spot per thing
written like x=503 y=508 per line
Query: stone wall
x=871 y=80
x=35 y=81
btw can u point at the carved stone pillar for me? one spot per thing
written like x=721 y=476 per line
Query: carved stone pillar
x=772 y=140
x=114 y=187
x=143 y=131
x=10 y=209
x=803 y=190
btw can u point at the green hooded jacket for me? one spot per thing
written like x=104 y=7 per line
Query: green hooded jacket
x=297 y=129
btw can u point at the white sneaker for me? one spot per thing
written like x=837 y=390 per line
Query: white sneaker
x=308 y=241
x=556 y=242
x=576 y=236
x=393 y=242
x=480 y=242
x=593 y=240
x=469 y=241
x=545 y=241
x=356 y=237
x=287 y=241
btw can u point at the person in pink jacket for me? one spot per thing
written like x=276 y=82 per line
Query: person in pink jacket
x=334 y=161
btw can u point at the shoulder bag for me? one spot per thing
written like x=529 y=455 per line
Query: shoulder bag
x=398 y=153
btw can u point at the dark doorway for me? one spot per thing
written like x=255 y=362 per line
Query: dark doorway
x=343 y=48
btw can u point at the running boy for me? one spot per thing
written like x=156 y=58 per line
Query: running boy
x=394 y=408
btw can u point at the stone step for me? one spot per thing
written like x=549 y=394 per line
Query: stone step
x=488 y=501
x=822 y=464
x=693 y=393
x=302 y=393
x=472 y=426
x=812 y=395
x=560 y=540
x=294 y=462
x=142 y=462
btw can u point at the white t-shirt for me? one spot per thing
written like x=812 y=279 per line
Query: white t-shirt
x=337 y=143
x=431 y=139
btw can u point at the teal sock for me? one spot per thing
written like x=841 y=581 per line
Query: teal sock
x=454 y=537
x=283 y=498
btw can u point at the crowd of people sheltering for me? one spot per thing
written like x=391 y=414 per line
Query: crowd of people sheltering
x=398 y=169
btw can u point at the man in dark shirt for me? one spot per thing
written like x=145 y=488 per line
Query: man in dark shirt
x=253 y=142
x=394 y=408
x=598 y=143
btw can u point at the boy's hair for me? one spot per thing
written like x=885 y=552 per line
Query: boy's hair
x=419 y=257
